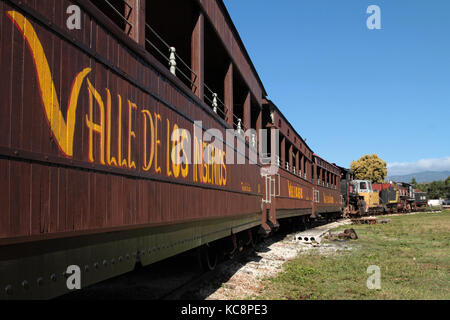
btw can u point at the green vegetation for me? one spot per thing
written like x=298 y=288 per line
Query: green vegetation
x=436 y=189
x=369 y=167
x=412 y=252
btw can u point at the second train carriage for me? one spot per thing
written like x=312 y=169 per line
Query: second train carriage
x=304 y=186
x=421 y=200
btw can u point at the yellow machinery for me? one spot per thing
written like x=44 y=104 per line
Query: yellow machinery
x=371 y=199
x=389 y=196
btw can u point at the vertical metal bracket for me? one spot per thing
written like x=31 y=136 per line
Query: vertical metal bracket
x=271 y=187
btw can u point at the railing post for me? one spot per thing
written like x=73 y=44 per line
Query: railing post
x=303 y=164
x=321 y=176
x=247 y=111
x=137 y=19
x=291 y=156
x=253 y=140
x=214 y=103
x=198 y=56
x=314 y=172
x=172 y=61
x=239 y=126
x=228 y=95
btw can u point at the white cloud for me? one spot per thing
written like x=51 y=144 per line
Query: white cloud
x=401 y=168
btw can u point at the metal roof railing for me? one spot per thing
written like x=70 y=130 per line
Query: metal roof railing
x=172 y=58
x=213 y=99
x=125 y=17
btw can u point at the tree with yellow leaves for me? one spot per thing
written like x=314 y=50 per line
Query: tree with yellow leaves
x=370 y=167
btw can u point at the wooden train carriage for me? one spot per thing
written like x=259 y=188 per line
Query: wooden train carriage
x=292 y=187
x=421 y=200
x=327 y=197
x=296 y=187
x=88 y=122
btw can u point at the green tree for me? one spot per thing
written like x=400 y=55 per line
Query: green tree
x=437 y=190
x=414 y=182
x=370 y=167
x=447 y=189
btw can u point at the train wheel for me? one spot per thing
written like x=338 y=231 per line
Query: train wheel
x=208 y=257
x=253 y=238
x=362 y=208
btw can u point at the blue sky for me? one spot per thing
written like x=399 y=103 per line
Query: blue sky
x=352 y=91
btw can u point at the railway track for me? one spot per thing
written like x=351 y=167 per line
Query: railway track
x=179 y=277
x=188 y=290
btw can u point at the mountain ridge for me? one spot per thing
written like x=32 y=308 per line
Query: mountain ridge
x=421 y=177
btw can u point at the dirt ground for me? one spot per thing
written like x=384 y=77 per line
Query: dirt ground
x=245 y=276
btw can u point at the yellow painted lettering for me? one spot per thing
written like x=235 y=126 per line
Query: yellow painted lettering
x=62 y=130
x=131 y=133
x=157 y=142
x=185 y=168
x=122 y=162
x=94 y=127
x=148 y=164
x=111 y=161
x=176 y=167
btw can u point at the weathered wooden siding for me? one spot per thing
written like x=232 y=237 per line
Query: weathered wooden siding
x=295 y=193
x=44 y=191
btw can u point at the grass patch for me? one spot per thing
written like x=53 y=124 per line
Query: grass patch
x=413 y=253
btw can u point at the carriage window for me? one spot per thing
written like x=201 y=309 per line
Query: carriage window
x=363 y=186
x=119 y=11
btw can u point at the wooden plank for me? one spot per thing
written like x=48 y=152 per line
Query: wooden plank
x=228 y=98
x=19 y=199
x=17 y=103
x=5 y=218
x=74 y=199
x=5 y=89
x=62 y=200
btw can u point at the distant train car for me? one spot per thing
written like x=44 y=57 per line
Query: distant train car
x=421 y=200
x=303 y=186
x=361 y=197
x=364 y=188
x=389 y=196
x=328 y=195
x=407 y=197
x=352 y=203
